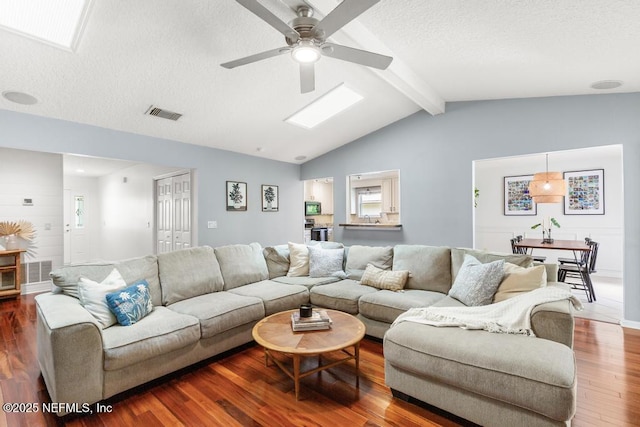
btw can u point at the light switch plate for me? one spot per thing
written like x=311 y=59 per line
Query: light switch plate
x=212 y=224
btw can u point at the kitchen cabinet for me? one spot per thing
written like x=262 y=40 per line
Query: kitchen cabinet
x=390 y=196
x=10 y=274
x=319 y=190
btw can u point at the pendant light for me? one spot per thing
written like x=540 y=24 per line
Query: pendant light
x=547 y=187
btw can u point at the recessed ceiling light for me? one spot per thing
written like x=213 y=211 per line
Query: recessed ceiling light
x=299 y=158
x=55 y=22
x=20 y=97
x=606 y=84
x=325 y=107
x=80 y=170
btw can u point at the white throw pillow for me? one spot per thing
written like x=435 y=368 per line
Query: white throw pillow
x=93 y=296
x=476 y=283
x=298 y=260
x=326 y=262
x=518 y=280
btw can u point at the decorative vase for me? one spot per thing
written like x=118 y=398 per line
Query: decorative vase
x=11 y=242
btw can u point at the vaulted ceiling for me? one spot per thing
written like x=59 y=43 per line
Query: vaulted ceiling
x=134 y=54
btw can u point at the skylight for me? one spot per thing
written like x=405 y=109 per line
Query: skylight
x=58 y=22
x=325 y=107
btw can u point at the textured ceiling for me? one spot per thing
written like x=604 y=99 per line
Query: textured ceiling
x=134 y=54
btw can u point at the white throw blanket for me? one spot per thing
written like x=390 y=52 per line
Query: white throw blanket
x=511 y=316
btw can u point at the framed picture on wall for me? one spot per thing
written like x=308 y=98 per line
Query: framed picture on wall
x=585 y=192
x=236 y=196
x=517 y=200
x=270 y=198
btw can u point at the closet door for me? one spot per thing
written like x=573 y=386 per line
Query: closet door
x=164 y=216
x=173 y=212
x=181 y=211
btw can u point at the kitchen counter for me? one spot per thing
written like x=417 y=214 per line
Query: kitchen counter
x=371 y=225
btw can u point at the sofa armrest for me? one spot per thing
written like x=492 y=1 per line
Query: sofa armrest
x=554 y=321
x=70 y=355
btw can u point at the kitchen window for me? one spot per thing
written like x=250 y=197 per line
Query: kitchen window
x=369 y=202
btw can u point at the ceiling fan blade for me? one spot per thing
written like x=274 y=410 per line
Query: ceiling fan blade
x=263 y=13
x=256 y=57
x=358 y=56
x=307 y=78
x=344 y=13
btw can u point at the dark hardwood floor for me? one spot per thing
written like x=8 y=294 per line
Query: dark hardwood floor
x=238 y=390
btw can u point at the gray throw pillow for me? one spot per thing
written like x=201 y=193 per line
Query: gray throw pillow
x=476 y=283
x=325 y=262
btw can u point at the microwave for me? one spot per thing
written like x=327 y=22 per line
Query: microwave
x=312 y=208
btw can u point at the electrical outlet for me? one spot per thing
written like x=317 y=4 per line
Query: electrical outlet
x=212 y=224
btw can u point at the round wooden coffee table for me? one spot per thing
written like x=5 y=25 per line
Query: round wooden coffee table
x=275 y=334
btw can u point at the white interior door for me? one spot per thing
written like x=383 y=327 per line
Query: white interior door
x=164 y=216
x=173 y=213
x=182 y=211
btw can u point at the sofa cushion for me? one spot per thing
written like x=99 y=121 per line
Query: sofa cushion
x=188 y=273
x=241 y=264
x=476 y=283
x=306 y=281
x=359 y=256
x=385 y=306
x=162 y=331
x=384 y=279
x=429 y=266
x=325 y=262
x=66 y=278
x=277 y=258
x=342 y=295
x=518 y=280
x=220 y=311
x=275 y=296
x=457 y=258
x=533 y=373
x=92 y=296
x=130 y=304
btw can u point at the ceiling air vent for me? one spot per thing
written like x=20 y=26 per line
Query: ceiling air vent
x=159 y=112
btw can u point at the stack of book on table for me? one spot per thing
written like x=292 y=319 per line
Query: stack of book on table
x=319 y=320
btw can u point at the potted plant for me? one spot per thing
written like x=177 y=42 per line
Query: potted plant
x=546 y=228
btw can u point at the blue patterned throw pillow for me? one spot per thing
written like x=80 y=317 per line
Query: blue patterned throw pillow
x=131 y=303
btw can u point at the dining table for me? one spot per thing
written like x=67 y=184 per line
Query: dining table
x=577 y=247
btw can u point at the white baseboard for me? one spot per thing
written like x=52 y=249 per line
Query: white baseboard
x=37 y=287
x=629 y=324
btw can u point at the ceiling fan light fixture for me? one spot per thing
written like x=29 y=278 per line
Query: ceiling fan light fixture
x=306 y=52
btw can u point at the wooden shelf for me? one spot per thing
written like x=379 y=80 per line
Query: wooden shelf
x=14 y=268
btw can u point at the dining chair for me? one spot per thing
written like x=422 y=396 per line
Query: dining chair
x=523 y=251
x=563 y=260
x=581 y=271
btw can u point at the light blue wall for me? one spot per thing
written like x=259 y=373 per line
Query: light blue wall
x=435 y=155
x=213 y=167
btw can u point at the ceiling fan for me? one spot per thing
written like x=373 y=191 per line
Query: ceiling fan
x=306 y=39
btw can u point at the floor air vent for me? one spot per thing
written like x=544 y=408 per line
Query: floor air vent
x=159 y=112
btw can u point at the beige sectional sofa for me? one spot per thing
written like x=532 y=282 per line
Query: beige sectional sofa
x=206 y=301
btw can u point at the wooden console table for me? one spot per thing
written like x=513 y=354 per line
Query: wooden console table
x=12 y=268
